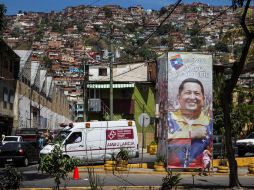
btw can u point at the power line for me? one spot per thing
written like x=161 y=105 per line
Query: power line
x=149 y=36
x=205 y=25
x=157 y=28
x=130 y=70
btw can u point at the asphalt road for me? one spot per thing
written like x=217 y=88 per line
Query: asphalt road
x=33 y=179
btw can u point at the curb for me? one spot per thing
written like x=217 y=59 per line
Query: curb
x=152 y=172
x=144 y=165
x=105 y=187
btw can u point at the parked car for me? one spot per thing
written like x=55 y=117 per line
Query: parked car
x=28 y=134
x=246 y=145
x=219 y=147
x=19 y=153
x=12 y=139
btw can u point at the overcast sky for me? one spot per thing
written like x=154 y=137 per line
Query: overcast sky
x=13 y=6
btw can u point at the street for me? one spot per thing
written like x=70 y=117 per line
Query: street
x=34 y=179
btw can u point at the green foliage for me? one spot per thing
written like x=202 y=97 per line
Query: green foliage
x=223 y=162
x=194 y=30
x=167 y=42
x=10 y=179
x=221 y=47
x=160 y=159
x=241 y=111
x=108 y=12
x=113 y=156
x=56 y=27
x=170 y=181
x=94 y=180
x=97 y=44
x=57 y=165
x=218 y=86
x=122 y=155
x=47 y=62
x=164 y=29
x=146 y=53
x=131 y=27
x=2 y=18
x=153 y=143
x=197 y=42
x=163 y=10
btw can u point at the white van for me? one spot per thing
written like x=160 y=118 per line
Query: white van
x=96 y=141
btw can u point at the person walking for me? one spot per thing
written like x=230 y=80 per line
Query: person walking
x=41 y=141
x=206 y=161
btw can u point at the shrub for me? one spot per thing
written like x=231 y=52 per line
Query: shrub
x=11 y=178
x=223 y=162
x=170 y=181
x=57 y=165
x=122 y=155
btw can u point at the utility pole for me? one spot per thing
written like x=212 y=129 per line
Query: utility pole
x=30 y=97
x=85 y=98
x=111 y=73
x=111 y=82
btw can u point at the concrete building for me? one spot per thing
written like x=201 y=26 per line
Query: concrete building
x=39 y=102
x=9 y=69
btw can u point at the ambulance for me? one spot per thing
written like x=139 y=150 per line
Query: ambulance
x=96 y=141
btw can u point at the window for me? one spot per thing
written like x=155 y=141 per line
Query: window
x=102 y=71
x=11 y=66
x=94 y=93
x=5 y=95
x=11 y=99
x=75 y=137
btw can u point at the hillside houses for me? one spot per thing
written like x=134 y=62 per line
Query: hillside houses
x=66 y=41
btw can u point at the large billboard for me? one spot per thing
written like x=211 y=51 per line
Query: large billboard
x=189 y=116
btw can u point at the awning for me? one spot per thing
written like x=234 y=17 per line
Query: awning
x=122 y=85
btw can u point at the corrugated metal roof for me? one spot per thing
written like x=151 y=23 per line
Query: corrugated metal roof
x=24 y=56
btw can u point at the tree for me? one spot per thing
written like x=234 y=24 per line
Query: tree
x=47 y=62
x=221 y=47
x=164 y=29
x=230 y=84
x=108 y=12
x=57 y=165
x=163 y=10
x=2 y=18
x=197 y=42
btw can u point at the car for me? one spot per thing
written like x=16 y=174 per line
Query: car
x=12 y=139
x=28 y=134
x=246 y=145
x=219 y=147
x=19 y=153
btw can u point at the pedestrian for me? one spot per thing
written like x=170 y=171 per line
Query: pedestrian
x=3 y=136
x=206 y=161
x=41 y=141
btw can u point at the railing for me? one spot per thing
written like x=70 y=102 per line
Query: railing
x=106 y=112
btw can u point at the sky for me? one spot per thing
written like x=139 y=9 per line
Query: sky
x=13 y=6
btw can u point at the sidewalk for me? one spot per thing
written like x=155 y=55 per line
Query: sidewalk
x=146 y=169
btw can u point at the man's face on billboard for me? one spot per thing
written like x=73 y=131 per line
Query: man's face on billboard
x=191 y=98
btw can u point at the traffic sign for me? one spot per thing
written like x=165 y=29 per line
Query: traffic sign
x=144 y=117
